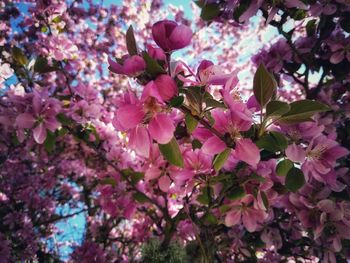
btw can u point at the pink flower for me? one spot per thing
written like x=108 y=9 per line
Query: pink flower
x=144 y=121
x=62 y=48
x=170 y=36
x=196 y=162
x=132 y=66
x=243 y=211
x=321 y=156
x=232 y=122
x=41 y=117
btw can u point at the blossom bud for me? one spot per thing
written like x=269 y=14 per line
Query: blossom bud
x=170 y=36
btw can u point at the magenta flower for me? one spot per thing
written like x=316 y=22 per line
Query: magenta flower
x=322 y=154
x=232 y=122
x=196 y=162
x=41 y=117
x=132 y=66
x=243 y=211
x=170 y=36
x=319 y=158
x=143 y=120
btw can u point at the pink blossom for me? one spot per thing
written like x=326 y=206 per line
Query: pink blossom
x=321 y=156
x=242 y=211
x=62 y=48
x=41 y=117
x=131 y=115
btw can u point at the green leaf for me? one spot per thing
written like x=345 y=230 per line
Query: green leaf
x=236 y=193
x=224 y=208
x=221 y=158
x=243 y=6
x=44 y=29
x=280 y=140
x=41 y=66
x=62 y=118
x=132 y=175
x=19 y=56
x=62 y=132
x=50 y=141
x=311 y=27
x=264 y=199
x=140 y=197
x=209 y=102
x=294 y=179
x=131 y=42
x=205 y=196
x=152 y=66
x=136 y=177
x=210 y=219
x=108 y=181
x=172 y=153
x=264 y=85
x=196 y=144
x=220 y=178
x=177 y=101
x=302 y=110
x=276 y=108
x=191 y=123
x=210 y=11
x=194 y=95
x=283 y=167
x=57 y=19
x=273 y=142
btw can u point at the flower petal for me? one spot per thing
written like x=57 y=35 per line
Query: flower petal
x=140 y=141
x=39 y=133
x=161 y=128
x=247 y=151
x=295 y=153
x=129 y=116
x=25 y=121
x=213 y=146
x=232 y=218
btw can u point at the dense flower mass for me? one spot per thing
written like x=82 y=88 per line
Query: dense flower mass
x=170 y=140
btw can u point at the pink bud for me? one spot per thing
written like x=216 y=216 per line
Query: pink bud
x=170 y=36
x=115 y=67
x=134 y=65
x=156 y=53
x=203 y=65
